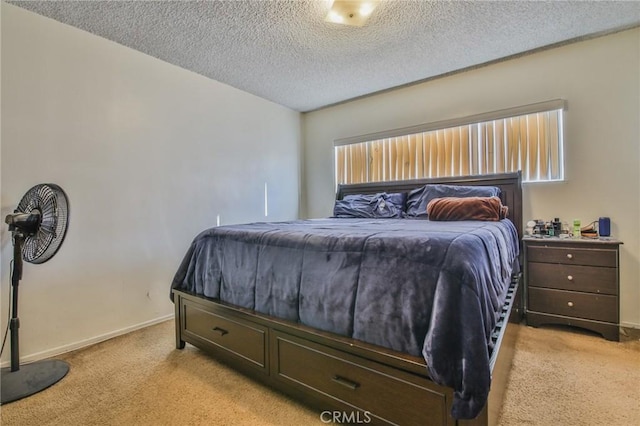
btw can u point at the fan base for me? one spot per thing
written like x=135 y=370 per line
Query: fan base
x=30 y=379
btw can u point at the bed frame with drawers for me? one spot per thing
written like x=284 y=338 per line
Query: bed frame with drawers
x=332 y=372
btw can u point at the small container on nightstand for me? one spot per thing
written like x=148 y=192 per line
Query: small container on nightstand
x=573 y=282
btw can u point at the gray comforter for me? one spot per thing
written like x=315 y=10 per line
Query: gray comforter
x=424 y=288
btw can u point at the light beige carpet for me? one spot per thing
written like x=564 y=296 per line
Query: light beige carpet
x=559 y=378
x=562 y=377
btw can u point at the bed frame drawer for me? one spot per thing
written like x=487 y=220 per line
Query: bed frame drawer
x=367 y=388
x=236 y=337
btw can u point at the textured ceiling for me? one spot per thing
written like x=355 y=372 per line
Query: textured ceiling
x=284 y=51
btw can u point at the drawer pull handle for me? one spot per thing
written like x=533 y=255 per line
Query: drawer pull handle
x=569 y=256
x=345 y=382
x=570 y=304
x=220 y=331
x=570 y=277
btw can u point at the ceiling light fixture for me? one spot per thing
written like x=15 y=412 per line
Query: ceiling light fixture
x=351 y=12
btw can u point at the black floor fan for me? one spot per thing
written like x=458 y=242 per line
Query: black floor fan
x=38 y=227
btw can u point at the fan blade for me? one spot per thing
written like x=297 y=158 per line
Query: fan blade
x=49 y=228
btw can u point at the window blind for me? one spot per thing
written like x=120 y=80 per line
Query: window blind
x=530 y=142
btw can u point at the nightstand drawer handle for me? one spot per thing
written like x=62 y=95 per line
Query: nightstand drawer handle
x=570 y=277
x=570 y=304
x=569 y=256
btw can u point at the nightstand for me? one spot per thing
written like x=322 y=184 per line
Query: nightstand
x=573 y=282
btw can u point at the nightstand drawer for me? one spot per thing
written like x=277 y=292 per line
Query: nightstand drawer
x=573 y=256
x=574 y=304
x=589 y=279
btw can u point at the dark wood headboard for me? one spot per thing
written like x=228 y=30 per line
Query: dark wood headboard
x=510 y=185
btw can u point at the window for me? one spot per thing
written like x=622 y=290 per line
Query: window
x=527 y=138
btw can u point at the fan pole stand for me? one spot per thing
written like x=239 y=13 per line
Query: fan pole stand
x=19 y=382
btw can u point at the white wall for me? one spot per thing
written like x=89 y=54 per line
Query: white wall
x=600 y=79
x=149 y=155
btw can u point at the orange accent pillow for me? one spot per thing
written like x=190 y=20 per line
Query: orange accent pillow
x=467 y=208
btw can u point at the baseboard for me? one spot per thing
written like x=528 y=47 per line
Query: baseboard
x=88 y=342
x=629 y=333
x=629 y=325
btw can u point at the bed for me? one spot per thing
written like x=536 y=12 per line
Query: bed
x=385 y=321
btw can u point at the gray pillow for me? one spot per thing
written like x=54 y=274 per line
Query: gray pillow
x=418 y=199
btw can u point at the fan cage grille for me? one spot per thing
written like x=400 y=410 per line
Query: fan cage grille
x=51 y=201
